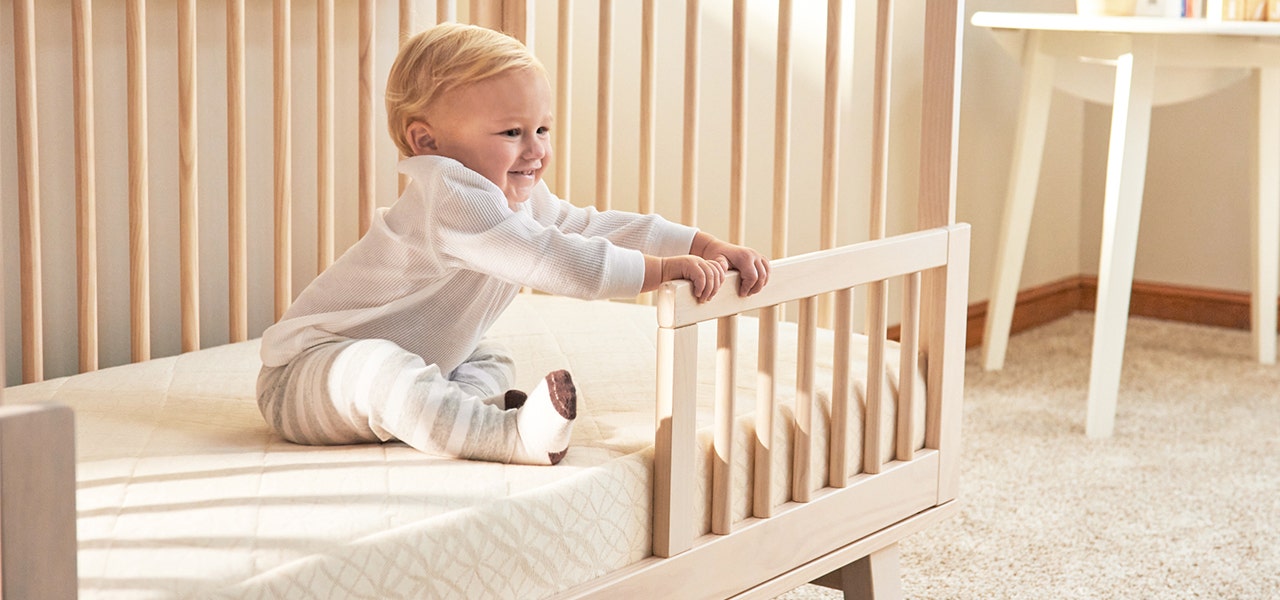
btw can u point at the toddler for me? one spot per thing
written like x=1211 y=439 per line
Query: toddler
x=388 y=343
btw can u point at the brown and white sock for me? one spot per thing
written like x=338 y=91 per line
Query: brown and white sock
x=544 y=420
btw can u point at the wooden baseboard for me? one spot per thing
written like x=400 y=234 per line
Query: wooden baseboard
x=1042 y=304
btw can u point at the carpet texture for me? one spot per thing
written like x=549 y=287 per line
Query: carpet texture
x=1183 y=501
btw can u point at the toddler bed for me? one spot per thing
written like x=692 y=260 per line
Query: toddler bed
x=735 y=448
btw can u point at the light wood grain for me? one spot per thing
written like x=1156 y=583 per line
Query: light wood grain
x=564 y=96
x=188 y=179
x=877 y=331
x=446 y=11
x=832 y=73
x=604 y=108
x=283 y=61
x=324 y=132
x=86 y=196
x=648 y=102
x=237 y=190
x=766 y=395
x=840 y=390
x=367 y=169
x=908 y=367
x=782 y=132
x=940 y=113
x=722 y=461
x=689 y=175
x=674 y=440
x=738 y=126
x=29 y=255
x=139 y=211
x=883 y=96
x=801 y=475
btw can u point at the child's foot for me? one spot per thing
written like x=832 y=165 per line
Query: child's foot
x=544 y=420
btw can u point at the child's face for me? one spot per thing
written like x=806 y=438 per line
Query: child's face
x=499 y=127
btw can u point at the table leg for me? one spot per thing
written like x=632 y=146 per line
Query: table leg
x=1024 y=176
x=1126 y=171
x=1266 y=217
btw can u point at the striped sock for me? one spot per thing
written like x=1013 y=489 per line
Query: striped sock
x=545 y=420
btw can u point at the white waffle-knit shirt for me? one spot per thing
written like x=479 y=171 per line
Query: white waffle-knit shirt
x=439 y=266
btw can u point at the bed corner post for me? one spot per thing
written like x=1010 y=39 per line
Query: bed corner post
x=37 y=502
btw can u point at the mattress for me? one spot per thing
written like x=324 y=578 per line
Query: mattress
x=184 y=492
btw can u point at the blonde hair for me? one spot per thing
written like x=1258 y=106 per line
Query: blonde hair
x=444 y=58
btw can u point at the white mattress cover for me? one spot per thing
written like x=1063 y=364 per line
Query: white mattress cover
x=183 y=492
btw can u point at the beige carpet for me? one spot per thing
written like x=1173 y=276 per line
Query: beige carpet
x=1183 y=502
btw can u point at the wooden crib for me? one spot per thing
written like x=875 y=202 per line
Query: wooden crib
x=85 y=110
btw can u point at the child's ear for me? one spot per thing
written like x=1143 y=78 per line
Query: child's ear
x=420 y=139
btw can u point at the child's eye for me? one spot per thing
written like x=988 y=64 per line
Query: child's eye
x=544 y=130
x=512 y=133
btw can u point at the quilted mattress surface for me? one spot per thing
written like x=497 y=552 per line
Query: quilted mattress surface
x=184 y=493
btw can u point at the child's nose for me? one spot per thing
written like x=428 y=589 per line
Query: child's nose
x=536 y=149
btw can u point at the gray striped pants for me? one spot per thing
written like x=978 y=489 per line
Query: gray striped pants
x=361 y=391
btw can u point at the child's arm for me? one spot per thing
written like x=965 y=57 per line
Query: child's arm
x=752 y=267
x=705 y=275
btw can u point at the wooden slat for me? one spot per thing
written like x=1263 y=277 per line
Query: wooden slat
x=139 y=218
x=880 y=118
x=877 y=331
x=648 y=104
x=446 y=11
x=188 y=211
x=689 y=177
x=406 y=14
x=782 y=132
x=324 y=134
x=28 y=191
x=814 y=273
x=940 y=110
x=840 y=390
x=674 y=440
x=86 y=198
x=722 y=462
x=604 y=108
x=564 y=96
x=367 y=181
x=738 y=127
x=908 y=367
x=283 y=158
x=801 y=477
x=766 y=392
x=944 y=360
x=833 y=73
x=237 y=190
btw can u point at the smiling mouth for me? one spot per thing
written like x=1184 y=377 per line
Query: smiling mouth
x=524 y=173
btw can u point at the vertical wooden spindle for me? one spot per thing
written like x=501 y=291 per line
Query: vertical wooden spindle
x=648 y=103
x=604 y=108
x=86 y=198
x=188 y=199
x=908 y=367
x=564 y=78
x=324 y=135
x=801 y=480
x=782 y=132
x=766 y=394
x=139 y=220
x=283 y=158
x=840 y=390
x=722 y=463
x=738 y=127
x=689 y=178
x=24 y=25
x=367 y=172
x=237 y=188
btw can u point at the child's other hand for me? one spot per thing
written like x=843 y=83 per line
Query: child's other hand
x=752 y=267
x=705 y=275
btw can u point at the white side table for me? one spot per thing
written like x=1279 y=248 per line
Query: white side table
x=1155 y=60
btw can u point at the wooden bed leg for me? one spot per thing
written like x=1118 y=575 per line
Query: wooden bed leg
x=876 y=576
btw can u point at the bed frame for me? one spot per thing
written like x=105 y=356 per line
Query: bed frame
x=844 y=535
